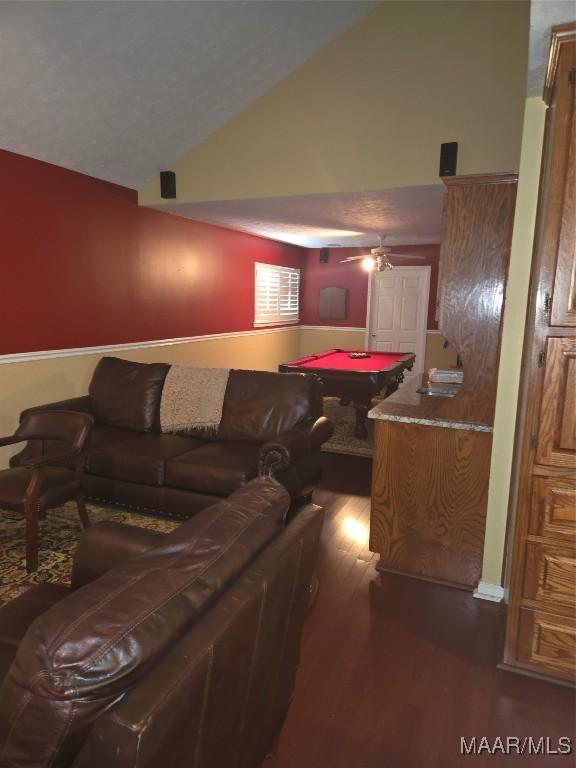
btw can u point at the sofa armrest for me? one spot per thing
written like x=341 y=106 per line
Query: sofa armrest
x=82 y=404
x=206 y=670
x=321 y=431
x=280 y=453
x=107 y=544
x=11 y=440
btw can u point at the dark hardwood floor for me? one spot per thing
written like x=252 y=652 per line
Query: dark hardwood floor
x=395 y=670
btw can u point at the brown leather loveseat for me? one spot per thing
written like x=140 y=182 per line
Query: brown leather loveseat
x=271 y=423
x=168 y=650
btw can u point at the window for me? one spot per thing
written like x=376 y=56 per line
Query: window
x=276 y=298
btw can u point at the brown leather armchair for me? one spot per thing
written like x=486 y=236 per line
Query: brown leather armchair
x=42 y=483
x=173 y=649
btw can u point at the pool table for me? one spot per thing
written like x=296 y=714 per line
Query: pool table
x=355 y=380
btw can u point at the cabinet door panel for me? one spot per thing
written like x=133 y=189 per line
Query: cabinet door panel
x=564 y=295
x=547 y=642
x=553 y=508
x=429 y=494
x=550 y=574
x=557 y=432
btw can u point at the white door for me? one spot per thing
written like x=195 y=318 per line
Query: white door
x=397 y=312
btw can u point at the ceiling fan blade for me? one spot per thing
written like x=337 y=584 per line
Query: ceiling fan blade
x=405 y=256
x=354 y=258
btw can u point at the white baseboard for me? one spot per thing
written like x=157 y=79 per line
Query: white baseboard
x=487 y=591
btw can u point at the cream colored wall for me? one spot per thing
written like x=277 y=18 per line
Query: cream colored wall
x=370 y=110
x=25 y=384
x=314 y=340
x=512 y=338
x=436 y=355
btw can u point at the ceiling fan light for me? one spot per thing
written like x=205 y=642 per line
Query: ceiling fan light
x=368 y=264
x=383 y=263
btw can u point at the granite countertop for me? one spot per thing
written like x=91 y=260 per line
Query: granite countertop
x=408 y=406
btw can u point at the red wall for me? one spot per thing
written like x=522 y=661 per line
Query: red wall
x=334 y=274
x=83 y=265
x=352 y=276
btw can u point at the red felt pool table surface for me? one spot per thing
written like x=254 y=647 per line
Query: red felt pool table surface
x=339 y=359
x=355 y=380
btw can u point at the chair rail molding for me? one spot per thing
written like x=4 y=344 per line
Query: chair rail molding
x=22 y=357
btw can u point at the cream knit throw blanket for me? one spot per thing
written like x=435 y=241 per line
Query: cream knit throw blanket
x=192 y=398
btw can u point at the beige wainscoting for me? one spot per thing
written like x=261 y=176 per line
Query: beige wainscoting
x=317 y=339
x=27 y=380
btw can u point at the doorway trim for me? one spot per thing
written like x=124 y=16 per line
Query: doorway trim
x=423 y=339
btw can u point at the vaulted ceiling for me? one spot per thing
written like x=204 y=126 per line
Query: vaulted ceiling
x=120 y=90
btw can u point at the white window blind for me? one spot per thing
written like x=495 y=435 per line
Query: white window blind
x=276 y=295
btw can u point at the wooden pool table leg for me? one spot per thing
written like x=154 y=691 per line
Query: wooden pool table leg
x=360 y=429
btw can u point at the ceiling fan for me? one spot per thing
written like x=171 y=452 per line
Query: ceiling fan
x=379 y=258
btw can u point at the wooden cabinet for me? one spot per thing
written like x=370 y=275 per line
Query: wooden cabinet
x=432 y=454
x=560 y=229
x=429 y=497
x=556 y=441
x=553 y=508
x=541 y=626
x=550 y=573
x=474 y=255
x=546 y=642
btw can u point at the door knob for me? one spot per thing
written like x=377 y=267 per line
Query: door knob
x=373 y=335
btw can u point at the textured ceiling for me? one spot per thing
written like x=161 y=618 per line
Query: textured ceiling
x=544 y=14
x=407 y=216
x=120 y=90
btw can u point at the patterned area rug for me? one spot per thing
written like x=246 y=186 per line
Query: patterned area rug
x=343 y=440
x=58 y=538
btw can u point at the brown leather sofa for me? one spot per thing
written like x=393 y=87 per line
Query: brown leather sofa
x=167 y=650
x=271 y=423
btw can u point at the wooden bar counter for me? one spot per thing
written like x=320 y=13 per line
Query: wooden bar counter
x=431 y=453
x=429 y=489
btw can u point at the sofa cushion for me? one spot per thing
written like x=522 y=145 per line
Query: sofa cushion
x=218 y=468
x=79 y=658
x=102 y=434
x=140 y=458
x=260 y=405
x=127 y=395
